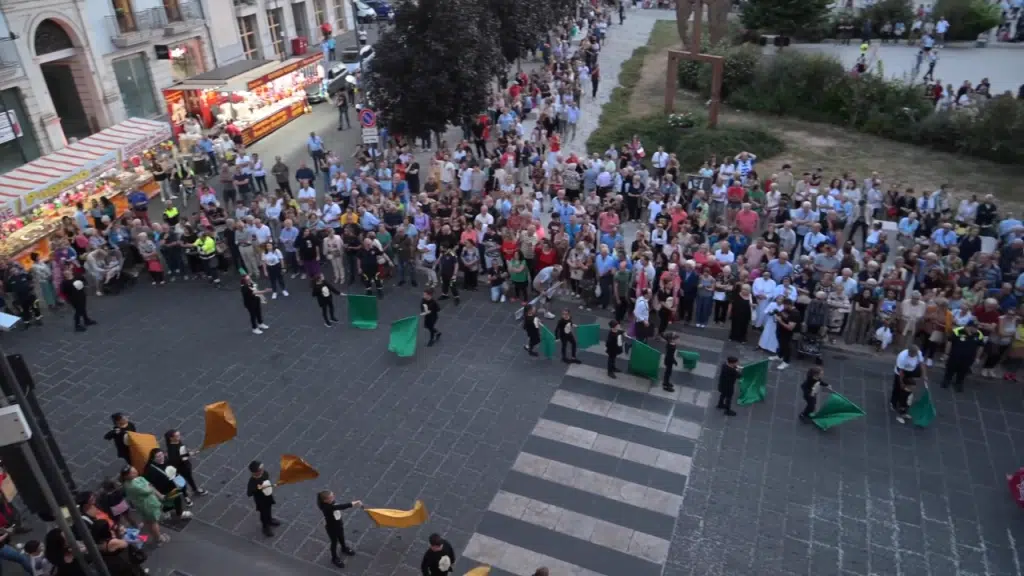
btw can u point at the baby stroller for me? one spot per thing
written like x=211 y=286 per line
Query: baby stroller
x=815 y=319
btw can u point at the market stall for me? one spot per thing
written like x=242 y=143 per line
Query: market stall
x=257 y=96
x=107 y=164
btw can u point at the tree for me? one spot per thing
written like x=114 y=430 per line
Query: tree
x=968 y=18
x=434 y=67
x=787 y=17
x=522 y=25
x=717 y=24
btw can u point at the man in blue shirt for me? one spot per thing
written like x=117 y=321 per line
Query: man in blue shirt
x=367 y=220
x=944 y=236
x=780 y=267
x=316 y=149
x=139 y=202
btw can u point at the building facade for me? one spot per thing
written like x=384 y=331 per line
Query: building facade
x=69 y=68
x=269 y=29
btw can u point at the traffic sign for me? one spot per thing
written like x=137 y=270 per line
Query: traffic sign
x=367 y=118
x=370 y=136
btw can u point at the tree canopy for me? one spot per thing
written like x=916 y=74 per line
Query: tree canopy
x=788 y=17
x=435 y=65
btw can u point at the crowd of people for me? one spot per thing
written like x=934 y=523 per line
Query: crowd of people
x=790 y=260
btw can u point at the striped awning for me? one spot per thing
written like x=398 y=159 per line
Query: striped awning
x=46 y=178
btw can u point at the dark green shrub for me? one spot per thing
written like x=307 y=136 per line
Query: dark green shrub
x=738 y=69
x=692 y=146
x=788 y=17
x=968 y=18
x=891 y=11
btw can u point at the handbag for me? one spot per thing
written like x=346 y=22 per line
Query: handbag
x=119 y=508
x=154 y=265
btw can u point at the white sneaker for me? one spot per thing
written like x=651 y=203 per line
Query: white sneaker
x=503 y=299
x=901 y=420
x=285 y=292
x=775 y=358
x=783 y=366
x=928 y=362
x=257 y=331
x=273 y=296
x=549 y=315
x=264 y=327
x=186 y=515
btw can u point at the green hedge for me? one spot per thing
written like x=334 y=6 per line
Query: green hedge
x=819 y=88
x=692 y=146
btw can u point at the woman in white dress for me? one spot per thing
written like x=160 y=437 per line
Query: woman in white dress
x=786 y=290
x=769 y=342
x=764 y=292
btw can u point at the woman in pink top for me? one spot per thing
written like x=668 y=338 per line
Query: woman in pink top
x=608 y=221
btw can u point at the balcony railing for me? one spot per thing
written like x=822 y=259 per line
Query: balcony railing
x=184 y=12
x=131 y=28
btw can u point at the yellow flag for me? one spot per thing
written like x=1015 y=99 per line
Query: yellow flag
x=479 y=571
x=295 y=469
x=388 y=518
x=139 y=447
x=221 y=425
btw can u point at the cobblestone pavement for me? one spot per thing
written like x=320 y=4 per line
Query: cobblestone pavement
x=521 y=461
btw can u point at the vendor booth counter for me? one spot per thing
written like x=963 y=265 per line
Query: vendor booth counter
x=107 y=164
x=257 y=96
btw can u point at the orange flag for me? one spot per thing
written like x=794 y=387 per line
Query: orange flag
x=479 y=571
x=221 y=425
x=139 y=447
x=295 y=469
x=390 y=518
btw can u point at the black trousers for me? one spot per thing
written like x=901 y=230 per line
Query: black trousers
x=569 y=341
x=811 y=404
x=721 y=310
x=327 y=309
x=666 y=379
x=373 y=283
x=533 y=338
x=430 y=323
x=955 y=374
x=449 y=287
x=81 y=315
x=863 y=227
x=255 y=316
x=725 y=399
x=337 y=538
x=611 y=364
x=186 y=473
x=785 y=346
x=266 y=516
x=686 y=308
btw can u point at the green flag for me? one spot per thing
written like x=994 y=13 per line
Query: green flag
x=644 y=360
x=753 y=382
x=362 y=311
x=922 y=411
x=690 y=359
x=403 y=336
x=547 y=342
x=588 y=335
x=836 y=410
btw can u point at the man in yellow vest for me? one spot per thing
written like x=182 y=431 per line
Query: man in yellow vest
x=171 y=215
x=207 y=248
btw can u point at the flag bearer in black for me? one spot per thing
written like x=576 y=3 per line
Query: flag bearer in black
x=448 y=265
x=670 y=361
x=179 y=456
x=532 y=326
x=786 y=322
x=810 y=388
x=369 y=268
x=324 y=294
x=261 y=490
x=331 y=509
x=964 y=346
x=614 y=346
x=727 y=377
x=564 y=331
x=74 y=291
x=119 y=435
x=429 y=309
x=439 y=559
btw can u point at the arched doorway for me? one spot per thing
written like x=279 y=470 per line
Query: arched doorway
x=63 y=68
